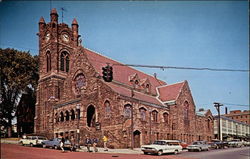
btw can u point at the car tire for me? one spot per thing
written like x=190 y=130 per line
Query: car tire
x=160 y=153
x=199 y=149
x=31 y=145
x=145 y=153
x=189 y=150
x=176 y=152
x=21 y=143
x=55 y=147
x=44 y=146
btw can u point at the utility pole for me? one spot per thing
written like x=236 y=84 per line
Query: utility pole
x=217 y=106
x=132 y=121
x=78 y=121
x=150 y=125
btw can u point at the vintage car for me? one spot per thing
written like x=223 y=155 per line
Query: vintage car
x=217 y=144
x=55 y=143
x=183 y=144
x=235 y=143
x=162 y=146
x=198 y=146
x=32 y=140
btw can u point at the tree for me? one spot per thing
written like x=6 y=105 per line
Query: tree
x=19 y=72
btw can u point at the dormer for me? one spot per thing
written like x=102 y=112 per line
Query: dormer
x=134 y=80
x=145 y=84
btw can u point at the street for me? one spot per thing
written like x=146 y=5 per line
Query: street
x=230 y=153
x=12 y=151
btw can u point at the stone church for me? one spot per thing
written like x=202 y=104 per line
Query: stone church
x=134 y=109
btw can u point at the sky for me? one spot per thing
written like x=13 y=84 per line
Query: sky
x=212 y=34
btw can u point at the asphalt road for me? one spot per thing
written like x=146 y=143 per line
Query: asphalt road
x=12 y=151
x=230 y=153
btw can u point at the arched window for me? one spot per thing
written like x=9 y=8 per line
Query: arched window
x=143 y=113
x=80 y=83
x=67 y=115
x=165 y=117
x=64 y=61
x=73 y=116
x=107 y=108
x=155 y=116
x=185 y=111
x=48 y=60
x=127 y=111
x=61 y=117
x=56 y=118
x=208 y=124
x=67 y=63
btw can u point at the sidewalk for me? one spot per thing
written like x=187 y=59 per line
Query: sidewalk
x=84 y=148
x=122 y=151
x=9 y=140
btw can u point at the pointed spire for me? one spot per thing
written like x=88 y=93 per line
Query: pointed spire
x=41 y=20
x=74 y=22
x=53 y=11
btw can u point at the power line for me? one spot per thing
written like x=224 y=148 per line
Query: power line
x=164 y=67
x=184 y=68
x=236 y=105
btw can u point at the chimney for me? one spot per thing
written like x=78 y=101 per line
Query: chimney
x=155 y=75
x=225 y=110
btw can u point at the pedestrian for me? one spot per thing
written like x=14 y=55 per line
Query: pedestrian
x=105 y=140
x=88 y=143
x=95 y=141
x=62 y=144
x=72 y=142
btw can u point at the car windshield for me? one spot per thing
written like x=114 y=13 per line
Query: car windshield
x=196 y=143
x=159 y=143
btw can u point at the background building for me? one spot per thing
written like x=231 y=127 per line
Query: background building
x=238 y=115
x=134 y=109
x=231 y=129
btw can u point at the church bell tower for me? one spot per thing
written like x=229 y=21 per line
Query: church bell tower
x=57 y=43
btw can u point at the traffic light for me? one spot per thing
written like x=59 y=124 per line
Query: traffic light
x=107 y=73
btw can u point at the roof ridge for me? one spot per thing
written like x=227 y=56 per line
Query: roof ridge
x=181 y=89
x=159 y=81
x=170 y=84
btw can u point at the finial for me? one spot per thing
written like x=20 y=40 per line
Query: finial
x=75 y=22
x=41 y=20
x=53 y=11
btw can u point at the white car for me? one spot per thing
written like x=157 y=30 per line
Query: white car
x=162 y=146
x=32 y=140
x=236 y=143
x=199 y=146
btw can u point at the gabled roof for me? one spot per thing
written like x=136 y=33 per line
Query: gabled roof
x=121 y=74
x=170 y=92
x=136 y=95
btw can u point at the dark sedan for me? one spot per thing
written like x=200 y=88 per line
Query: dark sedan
x=55 y=143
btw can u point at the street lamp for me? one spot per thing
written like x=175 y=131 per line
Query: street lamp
x=78 y=120
x=217 y=106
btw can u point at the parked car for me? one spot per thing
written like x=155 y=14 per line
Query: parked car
x=217 y=144
x=235 y=143
x=183 y=144
x=55 y=143
x=199 y=146
x=32 y=140
x=246 y=143
x=162 y=146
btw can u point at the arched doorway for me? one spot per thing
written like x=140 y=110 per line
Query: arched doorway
x=91 y=116
x=137 y=139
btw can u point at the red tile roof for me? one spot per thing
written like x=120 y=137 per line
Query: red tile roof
x=170 y=92
x=137 y=95
x=120 y=73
